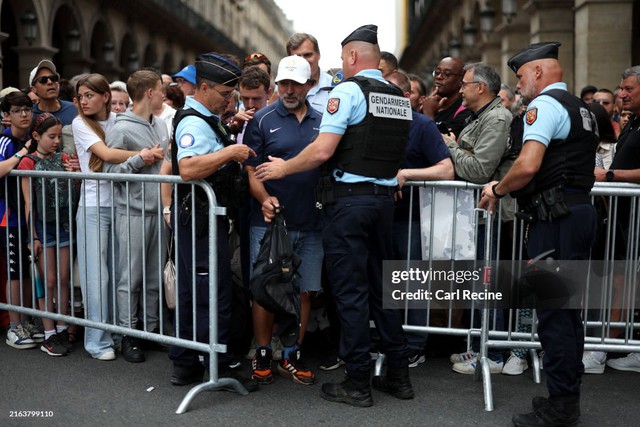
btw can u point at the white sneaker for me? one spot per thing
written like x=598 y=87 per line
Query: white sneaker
x=278 y=348
x=629 y=363
x=462 y=357
x=19 y=338
x=252 y=350
x=469 y=367
x=107 y=355
x=515 y=366
x=592 y=363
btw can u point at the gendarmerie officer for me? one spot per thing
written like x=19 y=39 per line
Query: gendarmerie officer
x=363 y=144
x=201 y=149
x=554 y=174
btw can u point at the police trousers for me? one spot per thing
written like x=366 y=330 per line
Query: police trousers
x=560 y=330
x=187 y=297
x=356 y=239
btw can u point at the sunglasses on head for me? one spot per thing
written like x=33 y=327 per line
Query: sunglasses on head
x=255 y=55
x=43 y=79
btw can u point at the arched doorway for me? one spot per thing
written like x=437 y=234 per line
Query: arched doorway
x=9 y=56
x=66 y=36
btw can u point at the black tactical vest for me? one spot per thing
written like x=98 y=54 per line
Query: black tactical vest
x=375 y=147
x=568 y=162
x=228 y=182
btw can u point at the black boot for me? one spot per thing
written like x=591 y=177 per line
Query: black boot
x=554 y=411
x=396 y=383
x=349 y=391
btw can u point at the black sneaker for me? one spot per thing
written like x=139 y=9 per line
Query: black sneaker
x=234 y=363
x=184 y=375
x=415 y=358
x=261 y=366
x=53 y=347
x=349 y=391
x=294 y=367
x=63 y=337
x=331 y=362
x=249 y=384
x=131 y=350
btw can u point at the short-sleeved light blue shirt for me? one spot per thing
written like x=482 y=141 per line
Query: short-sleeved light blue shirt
x=551 y=118
x=194 y=136
x=351 y=110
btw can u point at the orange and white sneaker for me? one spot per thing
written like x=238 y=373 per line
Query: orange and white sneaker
x=294 y=368
x=261 y=365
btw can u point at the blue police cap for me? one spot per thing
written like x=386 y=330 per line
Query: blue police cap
x=545 y=50
x=366 y=33
x=217 y=68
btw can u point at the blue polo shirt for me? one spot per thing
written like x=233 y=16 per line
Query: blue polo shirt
x=352 y=108
x=274 y=131
x=425 y=148
x=549 y=119
x=66 y=113
x=194 y=136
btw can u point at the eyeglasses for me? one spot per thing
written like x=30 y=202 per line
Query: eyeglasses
x=464 y=84
x=226 y=96
x=21 y=111
x=43 y=79
x=255 y=55
x=445 y=73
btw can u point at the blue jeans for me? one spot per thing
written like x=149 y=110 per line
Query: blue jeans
x=308 y=246
x=95 y=249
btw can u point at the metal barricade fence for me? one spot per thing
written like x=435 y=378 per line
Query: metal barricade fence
x=143 y=232
x=609 y=304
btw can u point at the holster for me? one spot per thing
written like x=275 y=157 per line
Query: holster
x=546 y=205
x=325 y=190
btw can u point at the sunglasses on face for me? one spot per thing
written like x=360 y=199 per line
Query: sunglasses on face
x=43 y=79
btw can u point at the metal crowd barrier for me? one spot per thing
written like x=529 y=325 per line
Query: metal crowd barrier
x=151 y=187
x=610 y=300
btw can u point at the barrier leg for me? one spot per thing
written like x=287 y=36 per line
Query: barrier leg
x=535 y=365
x=228 y=384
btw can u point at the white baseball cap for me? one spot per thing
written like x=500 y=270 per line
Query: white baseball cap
x=43 y=64
x=294 y=68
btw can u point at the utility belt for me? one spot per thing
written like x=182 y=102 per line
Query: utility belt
x=328 y=190
x=550 y=204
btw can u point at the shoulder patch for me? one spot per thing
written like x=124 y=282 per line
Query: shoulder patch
x=186 y=140
x=332 y=105
x=531 y=116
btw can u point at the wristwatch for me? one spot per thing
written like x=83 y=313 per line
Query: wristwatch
x=166 y=210
x=609 y=175
x=18 y=156
x=493 y=190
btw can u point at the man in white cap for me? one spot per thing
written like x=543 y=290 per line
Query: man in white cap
x=45 y=82
x=284 y=129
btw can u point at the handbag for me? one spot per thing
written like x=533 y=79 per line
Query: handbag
x=169 y=275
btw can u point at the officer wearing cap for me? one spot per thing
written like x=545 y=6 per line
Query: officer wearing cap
x=362 y=140
x=201 y=149
x=552 y=179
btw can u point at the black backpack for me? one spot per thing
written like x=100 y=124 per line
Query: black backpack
x=273 y=283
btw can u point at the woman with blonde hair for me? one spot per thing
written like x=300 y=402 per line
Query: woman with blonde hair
x=94 y=219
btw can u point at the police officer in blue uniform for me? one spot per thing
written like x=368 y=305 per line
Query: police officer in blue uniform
x=552 y=178
x=362 y=141
x=201 y=149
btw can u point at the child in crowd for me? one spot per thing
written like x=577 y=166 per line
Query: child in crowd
x=14 y=143
x=48 y=212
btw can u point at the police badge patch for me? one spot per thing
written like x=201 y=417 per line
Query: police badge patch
x=186 y=140
x=332 y=105
x=531 y=116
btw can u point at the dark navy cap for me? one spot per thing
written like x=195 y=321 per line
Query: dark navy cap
x=545 y=50
x=217 y=68
x=366 y=33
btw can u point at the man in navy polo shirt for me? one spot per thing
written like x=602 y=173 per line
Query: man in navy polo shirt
x=283 y=130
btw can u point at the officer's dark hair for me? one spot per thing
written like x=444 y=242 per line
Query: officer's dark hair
x=253 y=77
x=140 y=81
x=632 y=71
x=297 y=39
x=486 y=74
x=15 y=99
x=422 y=87
x=390 y=59
x=401 y=80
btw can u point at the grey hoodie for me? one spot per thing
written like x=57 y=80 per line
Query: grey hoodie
x=132 y=132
